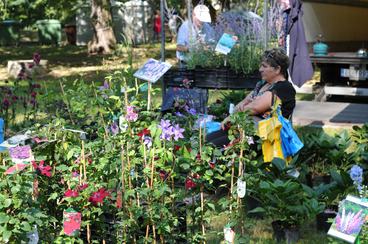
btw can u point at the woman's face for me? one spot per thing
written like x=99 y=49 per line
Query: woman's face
x=268 y=73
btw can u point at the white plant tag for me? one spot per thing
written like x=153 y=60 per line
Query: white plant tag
x=229 y=235
x=241 y=188
x=231 y=108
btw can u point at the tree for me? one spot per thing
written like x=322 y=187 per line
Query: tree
x=104 y=40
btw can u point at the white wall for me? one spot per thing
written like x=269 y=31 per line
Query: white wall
x=335 y=22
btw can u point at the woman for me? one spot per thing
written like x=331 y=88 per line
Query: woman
x=274 y=73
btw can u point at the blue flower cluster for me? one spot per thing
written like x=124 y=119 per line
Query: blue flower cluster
x=356 y=174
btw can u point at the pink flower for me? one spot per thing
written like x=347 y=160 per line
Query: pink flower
x=71 y=193
x=75 y=174
x=131 y=115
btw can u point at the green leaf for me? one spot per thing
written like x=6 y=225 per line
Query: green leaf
x=6 y=235
x=209 y=172
x=211 y=206
x=185 y=166
x=70 y=154
x=3 y=218
x=53 y=196
x=279 y=164
x=7 y=202
x=26 y=226
x=336 y=177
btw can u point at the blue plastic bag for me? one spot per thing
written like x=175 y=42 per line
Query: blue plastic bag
x=290 y=142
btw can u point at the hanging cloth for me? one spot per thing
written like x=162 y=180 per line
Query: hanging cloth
x=300 y=68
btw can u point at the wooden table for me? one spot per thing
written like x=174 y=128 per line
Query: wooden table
x=335 y=79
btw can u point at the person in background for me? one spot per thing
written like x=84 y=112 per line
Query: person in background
x=274 y=73
x=157 y=26
x=199 y=31
x=173 y=22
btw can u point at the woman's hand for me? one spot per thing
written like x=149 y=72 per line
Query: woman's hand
x=224 y=122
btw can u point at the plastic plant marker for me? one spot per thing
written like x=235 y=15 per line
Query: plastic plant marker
x=241 y=188
x=229 y=234
x=72 y=222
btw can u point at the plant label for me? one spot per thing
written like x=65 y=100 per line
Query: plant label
x=72 y=222
x=229 y=235
x=152 y=70
x=241 y=188
x=226 y=43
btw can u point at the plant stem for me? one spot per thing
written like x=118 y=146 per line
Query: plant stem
x=66 y=102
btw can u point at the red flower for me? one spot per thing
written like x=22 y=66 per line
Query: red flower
x=198 y=157
x=44 y=170
x=196 y=176
x=98 y=196
x=33 y=94
x=144 y=132
x=163 y=174
x=189 y=184
x=176 y=148
x=82 y=187
x=71 y=193
x=212 y=165
x=89 y=160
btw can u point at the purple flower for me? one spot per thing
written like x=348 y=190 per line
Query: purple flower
x=166 y=128
x=104 y=87
x=191 y=111
x=20 y=152
x=179 y=114
x=114 y=128
x=164 y=124
x=250 y=140
x=177 y=132
x=6 y=103
x=147 y=141
x=36 y=58
x=131 y=115
x=75 y=174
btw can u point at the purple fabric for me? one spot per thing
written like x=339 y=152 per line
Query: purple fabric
x=300 y=69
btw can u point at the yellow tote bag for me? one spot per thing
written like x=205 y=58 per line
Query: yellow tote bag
x=269 y=131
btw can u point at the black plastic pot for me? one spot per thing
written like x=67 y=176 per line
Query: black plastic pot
x=322 y=220
x=278 y=230
x=284 y=232
x=316 y=180
x=292 y=234
x=252 y=203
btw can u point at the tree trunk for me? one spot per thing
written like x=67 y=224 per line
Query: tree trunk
x=104 y=40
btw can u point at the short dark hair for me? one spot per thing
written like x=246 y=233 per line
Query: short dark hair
x=277 y=57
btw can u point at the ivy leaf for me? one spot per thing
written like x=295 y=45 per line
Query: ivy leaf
x=209 y=172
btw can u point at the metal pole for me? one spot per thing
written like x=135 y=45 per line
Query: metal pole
x=162 y=10
x=265 y=24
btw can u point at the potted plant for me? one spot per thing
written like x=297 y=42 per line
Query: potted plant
x=286 y=201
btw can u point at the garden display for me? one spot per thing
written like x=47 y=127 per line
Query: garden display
x=93 y=162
